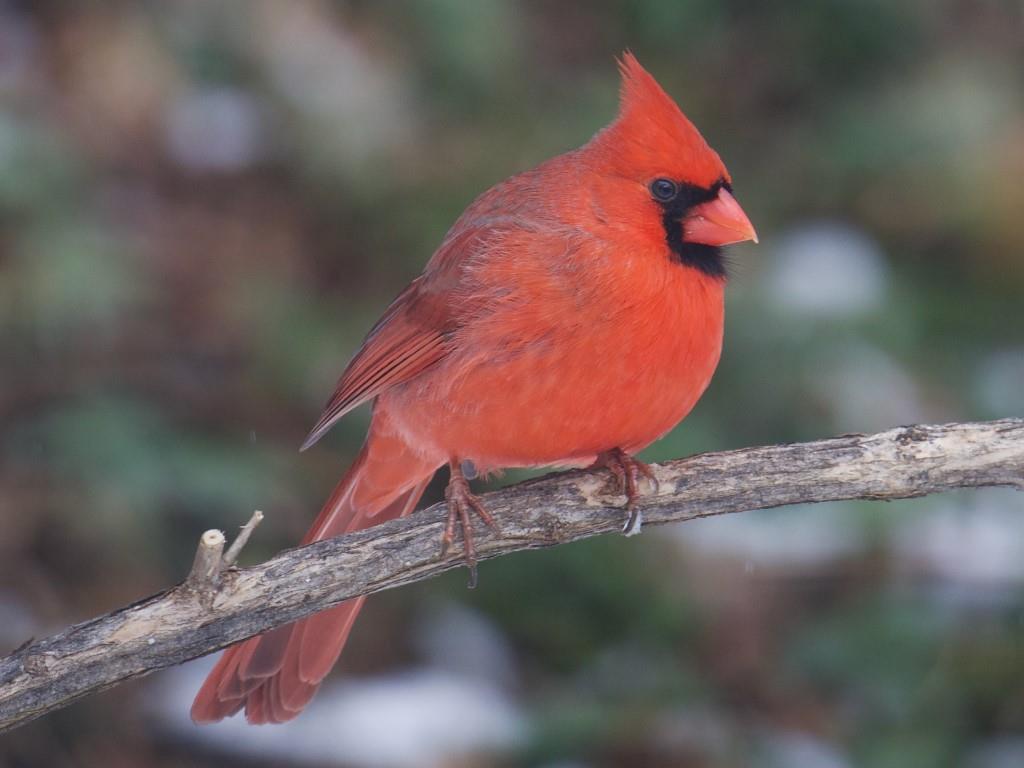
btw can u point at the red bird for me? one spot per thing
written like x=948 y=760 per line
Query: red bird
x=572 y=316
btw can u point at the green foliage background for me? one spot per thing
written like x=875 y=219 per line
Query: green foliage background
x=205 y=205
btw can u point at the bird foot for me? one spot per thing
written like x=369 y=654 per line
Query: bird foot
x=460 y=501
x=627 y=472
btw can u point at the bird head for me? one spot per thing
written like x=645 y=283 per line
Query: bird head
x=666 y=172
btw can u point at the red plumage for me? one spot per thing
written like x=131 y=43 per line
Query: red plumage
x=571 y=315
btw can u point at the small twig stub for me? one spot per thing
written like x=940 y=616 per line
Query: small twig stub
x=206 y=566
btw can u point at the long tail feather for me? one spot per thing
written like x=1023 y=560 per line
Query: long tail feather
x=274 y=676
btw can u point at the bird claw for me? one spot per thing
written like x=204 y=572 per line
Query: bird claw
x=634 y=522
x=627 y=472
x=460 y=501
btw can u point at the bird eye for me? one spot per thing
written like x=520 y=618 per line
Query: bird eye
x=664 y=190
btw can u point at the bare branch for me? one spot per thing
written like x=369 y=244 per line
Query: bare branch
x=179 y=624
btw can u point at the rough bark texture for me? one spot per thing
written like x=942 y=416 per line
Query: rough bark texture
x=183 y=623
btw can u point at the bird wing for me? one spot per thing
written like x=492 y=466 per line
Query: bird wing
x=415 y=332
x=408 y=339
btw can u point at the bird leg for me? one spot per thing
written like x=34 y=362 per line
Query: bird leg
x=627 y=472
x=460 y=501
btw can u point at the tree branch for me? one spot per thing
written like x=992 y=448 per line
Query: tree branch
x=183 y=623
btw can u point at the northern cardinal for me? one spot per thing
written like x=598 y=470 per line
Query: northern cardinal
x=571 y=316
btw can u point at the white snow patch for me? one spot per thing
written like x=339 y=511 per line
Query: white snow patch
x=795 y=536
x=827 y=269
x=416 y=719
x=977 y=541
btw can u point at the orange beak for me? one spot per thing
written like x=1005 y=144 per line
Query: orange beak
x=718 y=222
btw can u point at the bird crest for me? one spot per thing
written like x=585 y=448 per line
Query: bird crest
x=651 y=135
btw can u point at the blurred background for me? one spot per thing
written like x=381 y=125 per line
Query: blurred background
x=205 y=204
